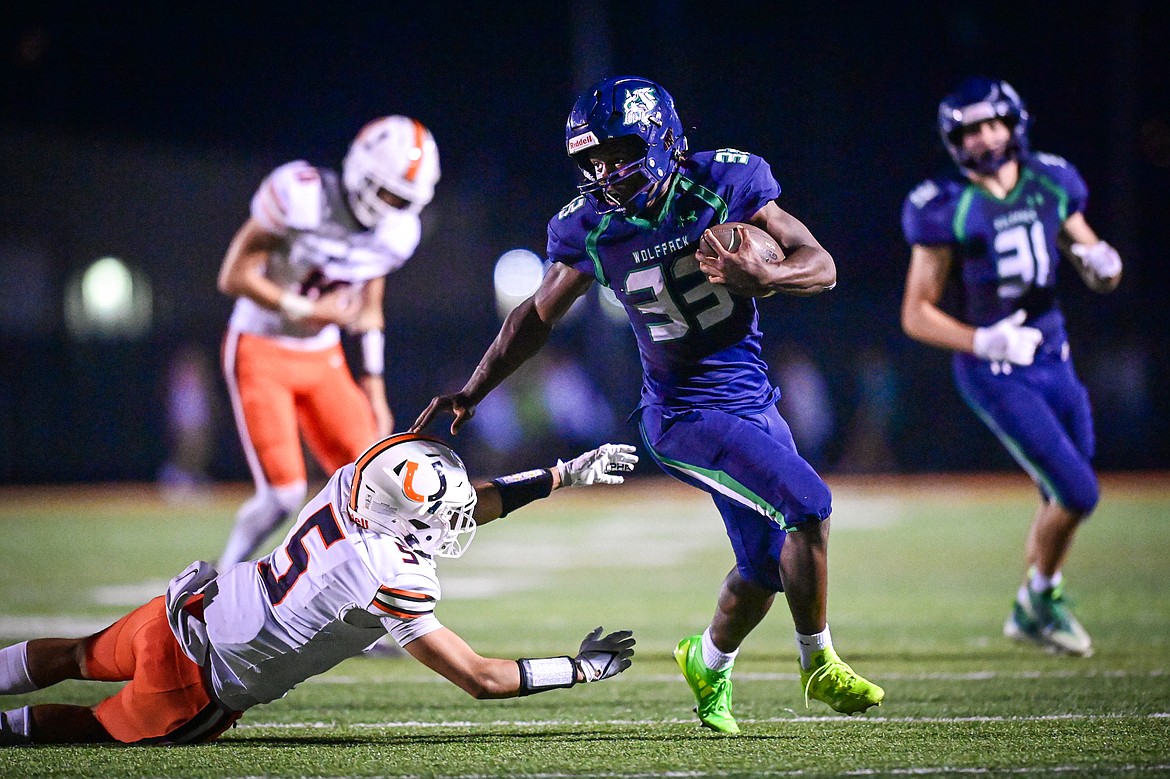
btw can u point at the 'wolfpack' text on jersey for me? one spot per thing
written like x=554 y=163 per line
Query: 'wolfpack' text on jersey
x=1006 y=247
x=328 y=592
x=324 y=248
x=699 y=344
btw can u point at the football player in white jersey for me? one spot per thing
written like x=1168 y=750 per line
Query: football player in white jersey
x=309 y=263
x=359 y=563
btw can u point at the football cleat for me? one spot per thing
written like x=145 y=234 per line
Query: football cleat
x=1044 y=618
x=832 y=681
x=712 y=689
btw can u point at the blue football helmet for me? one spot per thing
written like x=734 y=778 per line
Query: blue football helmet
x=641 y=112
x=976 y=100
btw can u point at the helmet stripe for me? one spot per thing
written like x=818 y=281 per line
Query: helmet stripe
x=416 y=152
x=376 y=450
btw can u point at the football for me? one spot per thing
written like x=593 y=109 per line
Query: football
x=760 y=247
x=765 y=245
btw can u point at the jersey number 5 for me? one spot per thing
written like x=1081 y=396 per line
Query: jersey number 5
x=648 y=291
x=326 y=525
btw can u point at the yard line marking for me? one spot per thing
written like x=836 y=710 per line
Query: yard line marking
x=690 y=721
x=970 y=676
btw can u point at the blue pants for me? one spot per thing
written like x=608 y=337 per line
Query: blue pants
x=750 y=466
x=1041 y=413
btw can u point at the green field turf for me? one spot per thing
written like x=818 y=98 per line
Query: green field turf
x=922 y=575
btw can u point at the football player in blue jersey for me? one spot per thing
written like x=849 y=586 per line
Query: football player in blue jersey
x=707 y=412
x=1002 y=225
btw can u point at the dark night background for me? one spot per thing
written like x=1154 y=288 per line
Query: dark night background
x=141 y=130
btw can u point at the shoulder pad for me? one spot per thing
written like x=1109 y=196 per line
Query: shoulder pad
x=399 y=232
x=571 y=207
x=924 y=193
x=1050 y=160
x=731 y=156
x=289 y=199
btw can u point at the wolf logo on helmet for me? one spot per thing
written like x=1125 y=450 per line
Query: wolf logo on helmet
x=415 y=487
x=626 y=107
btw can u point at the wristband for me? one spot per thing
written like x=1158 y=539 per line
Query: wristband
x=374 y=352
x=295 y=307
x=546 y=673
x=520 y=489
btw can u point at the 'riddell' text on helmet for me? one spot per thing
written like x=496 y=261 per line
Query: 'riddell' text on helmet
x=977 y=100
x=415 y=487
x=394 y=153
x=637 y=109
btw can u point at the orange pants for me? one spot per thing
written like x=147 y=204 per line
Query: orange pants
x=166 y=700
x=277 y=391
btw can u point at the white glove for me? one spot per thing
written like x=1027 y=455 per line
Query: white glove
x=603 y=465
x=600 y=658
x=1008 y=340
x=1101 y=258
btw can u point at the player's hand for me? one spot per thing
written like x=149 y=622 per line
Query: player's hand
x=457 y=403
x=339 y=307
x=743 y=271
x=603 y=465
x=1008 y=339
x=600 y=658
x=1101 y=258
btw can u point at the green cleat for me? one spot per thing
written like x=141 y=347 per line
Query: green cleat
x=1044 y=618
x=712 y=689
x=831 y=680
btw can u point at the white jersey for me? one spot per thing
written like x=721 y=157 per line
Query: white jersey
x=324 y=248
x=327 y=593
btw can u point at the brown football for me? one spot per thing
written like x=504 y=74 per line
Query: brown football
x=764 y=244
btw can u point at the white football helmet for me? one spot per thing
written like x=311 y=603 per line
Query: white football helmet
x=395 y=153
x=415 y=487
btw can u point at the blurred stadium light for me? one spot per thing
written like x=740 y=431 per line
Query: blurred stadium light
x=108 y=299
x=517 y=275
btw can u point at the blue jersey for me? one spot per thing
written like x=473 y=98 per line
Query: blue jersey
x=699 y=344
x=1006 y=248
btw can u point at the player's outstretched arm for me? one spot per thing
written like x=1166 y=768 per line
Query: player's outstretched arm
x=522 y=335
x=599 y=657
x=604 y=465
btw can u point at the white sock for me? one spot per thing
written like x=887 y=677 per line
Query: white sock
x=15 y=722
x=713 y=658
x=1038 y=582
x=14 y=678
x=810 y=645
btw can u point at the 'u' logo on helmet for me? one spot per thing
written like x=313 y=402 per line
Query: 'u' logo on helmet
x=408 y=481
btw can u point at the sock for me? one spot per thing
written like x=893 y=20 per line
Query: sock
x=14 y=678
x=810 y=645
x=15 y=726
x=713 y=658
x=1038 y=582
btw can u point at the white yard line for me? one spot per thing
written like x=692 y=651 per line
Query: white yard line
x=553 y=723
